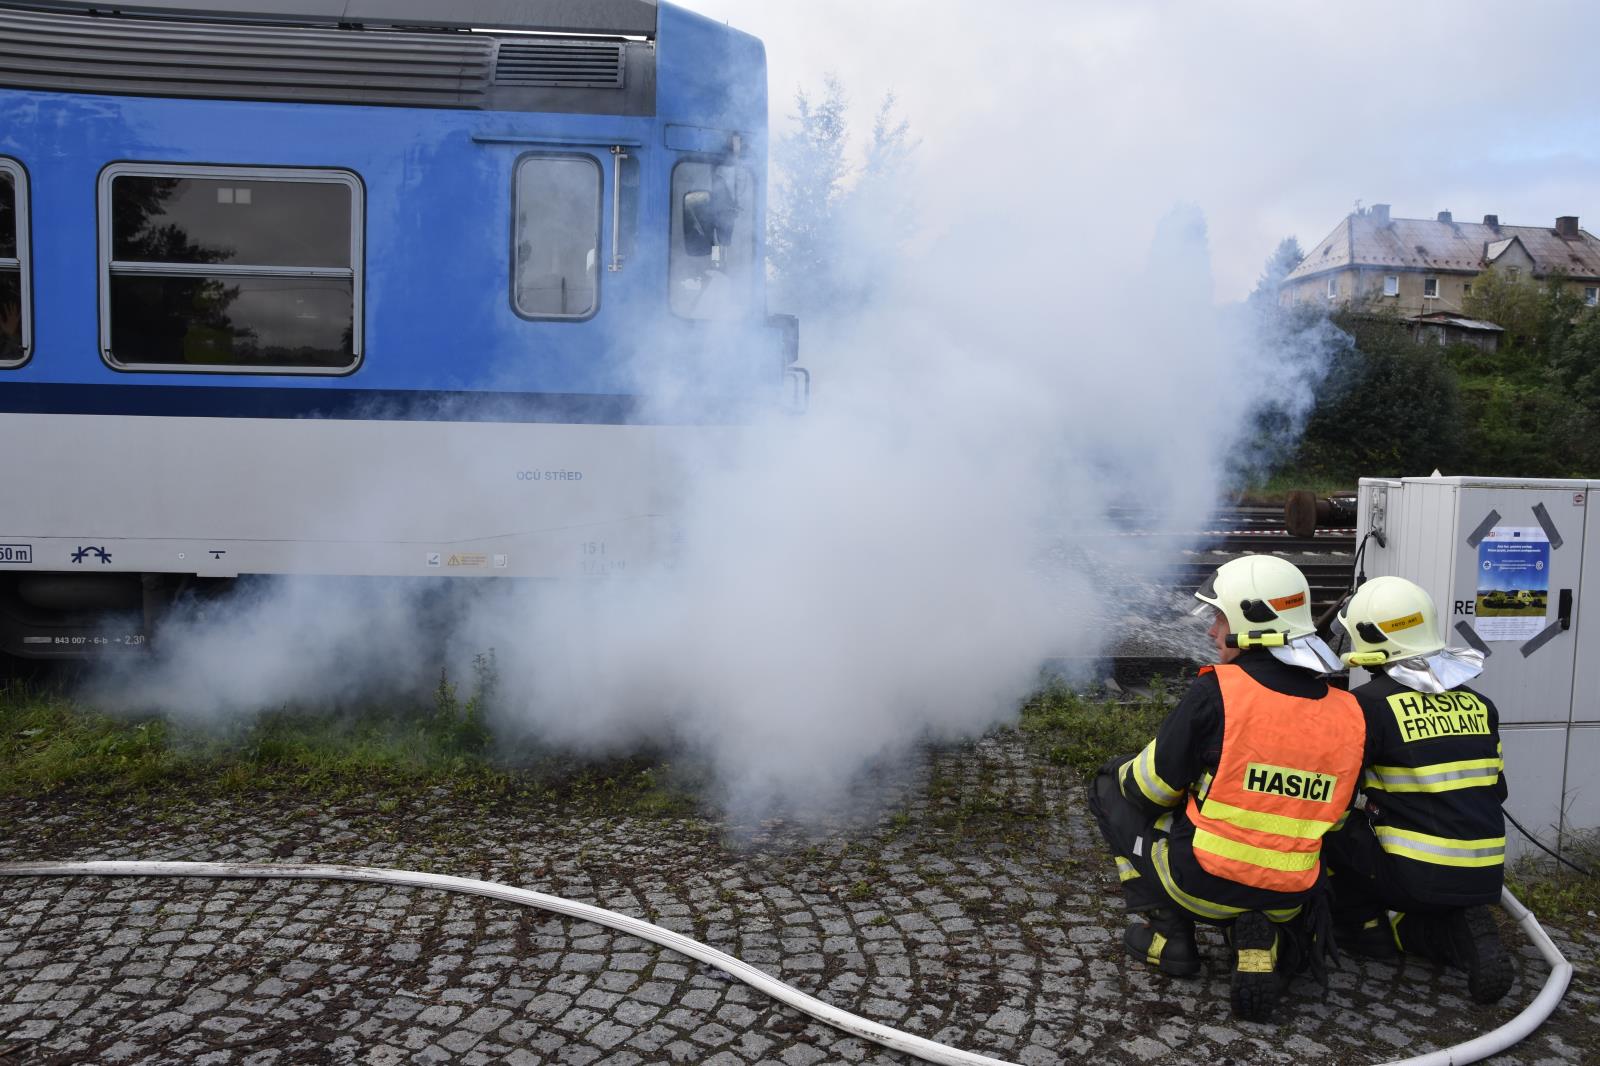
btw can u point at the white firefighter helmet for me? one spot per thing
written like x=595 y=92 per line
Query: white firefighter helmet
x=1261 y=593
x=1389 y=619
x=1267 y=603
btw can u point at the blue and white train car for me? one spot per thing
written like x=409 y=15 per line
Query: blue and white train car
x=364 y=287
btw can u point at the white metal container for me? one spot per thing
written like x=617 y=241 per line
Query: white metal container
x=1505 y=561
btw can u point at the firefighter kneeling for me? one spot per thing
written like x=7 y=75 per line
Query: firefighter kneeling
x=1427 y=841
x=1220 y=818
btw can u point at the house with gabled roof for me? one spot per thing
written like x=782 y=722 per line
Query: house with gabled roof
x=1424 y=269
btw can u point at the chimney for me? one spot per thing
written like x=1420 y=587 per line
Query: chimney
x=1492 y=221
x=1380 y=214
x=1567 y=226
x=1444 y=216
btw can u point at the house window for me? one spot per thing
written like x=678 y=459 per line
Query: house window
x=1391 y=284
x=712 y=266
x=1333 y=288
x=557 y=236
x=1466 y=288
x=1430 y=288
x=16 y=304
x=230 y=269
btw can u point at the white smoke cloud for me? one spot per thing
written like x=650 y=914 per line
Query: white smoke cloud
x=894 y=565
x=272 y=643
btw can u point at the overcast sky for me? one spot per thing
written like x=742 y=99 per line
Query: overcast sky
x=1274 y=118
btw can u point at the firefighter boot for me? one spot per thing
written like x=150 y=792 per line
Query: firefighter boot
x=1295 y=946
x=1466 y=938
x=1373 y=938
x=1255 y=983
x=1166 y=942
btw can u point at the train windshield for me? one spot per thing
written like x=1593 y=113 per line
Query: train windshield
x=713 y=240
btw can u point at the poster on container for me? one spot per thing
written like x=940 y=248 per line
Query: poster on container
x=1513 y=583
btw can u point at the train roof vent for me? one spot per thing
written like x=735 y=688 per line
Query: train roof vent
x=45 y=50
x=574 y=64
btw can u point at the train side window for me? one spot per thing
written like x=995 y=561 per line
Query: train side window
x=16 y=305
x=230 y=269
x=713 y=240
x=557 y=238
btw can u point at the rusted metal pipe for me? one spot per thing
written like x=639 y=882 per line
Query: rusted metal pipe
x=1304 y=512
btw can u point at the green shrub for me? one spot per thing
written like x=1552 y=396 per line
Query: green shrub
x=1389 y=406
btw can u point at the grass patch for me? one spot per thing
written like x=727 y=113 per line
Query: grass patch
x=388 y=755
x=1084 y=731
x=1276 y=489
x=48 y=742
x=1557 y=894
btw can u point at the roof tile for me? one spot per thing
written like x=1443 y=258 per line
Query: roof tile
x=1428 y=244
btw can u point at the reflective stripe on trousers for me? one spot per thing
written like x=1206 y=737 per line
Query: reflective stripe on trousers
x=1204 y=908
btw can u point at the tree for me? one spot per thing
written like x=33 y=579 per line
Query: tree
x=1389 y=406
x=1577 y=361
x=880 y=201
x=1532 y=408
x=836 y=229
x=807 y=187
x=1280 y=264
x=1521 y=428
x=1516 y=304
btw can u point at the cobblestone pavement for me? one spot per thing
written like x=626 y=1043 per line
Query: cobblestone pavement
x=978 y=911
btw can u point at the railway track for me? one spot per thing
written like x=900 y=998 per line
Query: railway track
x=1185 y=560
x=1326 y=557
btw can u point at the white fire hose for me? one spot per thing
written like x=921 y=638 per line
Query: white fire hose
x=927 y=1050
x=1533 y=1015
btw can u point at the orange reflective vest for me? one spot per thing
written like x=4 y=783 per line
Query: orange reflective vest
x=1289 y=767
